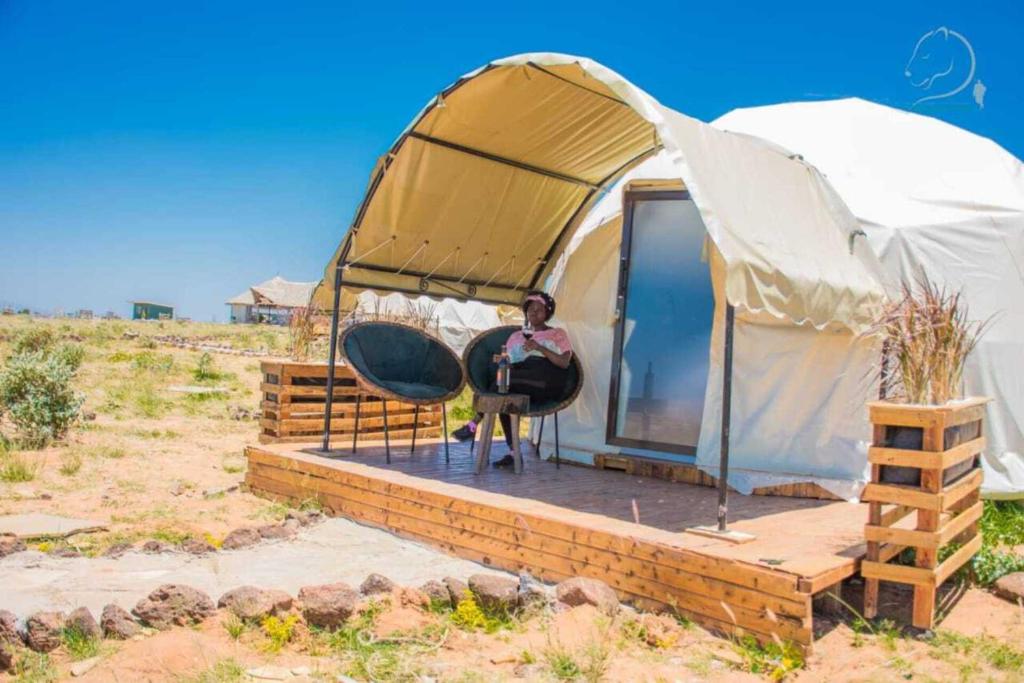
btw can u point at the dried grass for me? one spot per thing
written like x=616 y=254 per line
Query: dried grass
x=927 y=337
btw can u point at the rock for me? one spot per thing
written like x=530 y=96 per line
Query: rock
x=495 y=593
x=9 y=628
x=376 y=583
x=305 y=518
x=241 y=538
x=660 y=631
x=82 y=621
x=174 y=605
x=276 y=531
x=269 y=673
x=89 y=416
x=253 y=604
x=1010 y=587
x=329 y=605
x=531 y=593
x=117 y=550
x=43 y=631
x=197 y=546
x=584 y=591
x=437 y=593
x=156 y=547
x=85 y=666
x=456 y=589
x=66 y=552
x=117 y=624
x=301 y=671
x=10 y=544
x=217 y=493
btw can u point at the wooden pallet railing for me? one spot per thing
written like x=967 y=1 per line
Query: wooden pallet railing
x=924 y=460
x=295 y=395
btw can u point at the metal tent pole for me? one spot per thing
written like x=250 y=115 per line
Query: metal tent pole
x=723 y=466
x=329 y=405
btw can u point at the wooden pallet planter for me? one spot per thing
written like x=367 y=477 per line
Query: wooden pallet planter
x=295 y=394
x=924 y=460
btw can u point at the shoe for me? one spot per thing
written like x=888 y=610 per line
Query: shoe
x=465 y=432
x=507 y=461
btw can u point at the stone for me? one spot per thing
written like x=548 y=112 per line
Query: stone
x=241 y=538
x=43 y=525
x=304 y=518
x=411 y=597
x=585 y=591
x=253 y=604
x=376 y=583
x=437 y=593
x=9 y=628
x=1010 y=587
x=456 y=589
x=495 y=593
x=531 y=593
x=117 y=623
x=302 y=671
x=197 y=546
x=82 y=621
x=85 y=666
x=10 y=544
x=272 y=532
x=66 y=552
x=174 y=605
x=117 y=550
x=43 y=631
x=329 y=605
x=269 y=673
x=156 y=547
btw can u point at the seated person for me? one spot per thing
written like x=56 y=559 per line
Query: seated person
x=540 y=364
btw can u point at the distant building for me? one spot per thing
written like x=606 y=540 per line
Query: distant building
x=272 y=301
x=84 y=314
x=147 y=310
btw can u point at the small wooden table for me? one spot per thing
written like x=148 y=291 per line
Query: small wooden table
x=491 y=405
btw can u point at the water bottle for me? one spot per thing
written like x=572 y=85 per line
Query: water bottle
x=504 y=369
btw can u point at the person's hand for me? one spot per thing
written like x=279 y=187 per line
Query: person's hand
x=531 y=345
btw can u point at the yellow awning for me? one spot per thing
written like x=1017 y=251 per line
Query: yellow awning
x=479 y=196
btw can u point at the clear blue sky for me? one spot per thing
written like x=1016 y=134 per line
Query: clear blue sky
x=182 y=151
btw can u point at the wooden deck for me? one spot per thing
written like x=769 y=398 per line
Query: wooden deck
x=579 y=521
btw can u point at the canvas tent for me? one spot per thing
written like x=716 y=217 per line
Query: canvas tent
x=487 y=186
x=454 y=322
x=937 y=199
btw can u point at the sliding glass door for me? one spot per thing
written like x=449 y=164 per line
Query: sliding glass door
x=663 y=332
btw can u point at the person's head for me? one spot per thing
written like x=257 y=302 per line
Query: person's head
x=538 y=307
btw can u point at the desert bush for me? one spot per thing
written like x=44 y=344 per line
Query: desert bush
x=35 y=390
x=927 y=336
x=71 y=355
x=205 y=369
x=302 y=332
x=32 y=340
x=15 y=467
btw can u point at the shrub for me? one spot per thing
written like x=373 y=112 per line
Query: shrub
x=71 y=355
x=204 y=369
x=16 y=468
x=279 y=632
x=33 y=340
x=36 y=391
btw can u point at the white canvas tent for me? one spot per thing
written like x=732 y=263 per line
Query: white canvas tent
x=455 y=322
x=937 y=199
x=487 y=186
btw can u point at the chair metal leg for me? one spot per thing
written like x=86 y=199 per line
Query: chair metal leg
x=415 y=423
x=540 y=437
x=387 y=443
x=558 y=455
x=444 y=428
x=355 y=430
x=472 y=439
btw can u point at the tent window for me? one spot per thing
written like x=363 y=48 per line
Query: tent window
x=665 y=313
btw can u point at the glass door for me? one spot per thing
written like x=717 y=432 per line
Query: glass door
x=665 y=311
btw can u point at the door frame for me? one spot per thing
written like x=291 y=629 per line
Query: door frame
x=629 y=199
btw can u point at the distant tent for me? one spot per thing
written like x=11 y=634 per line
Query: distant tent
x=937 y=199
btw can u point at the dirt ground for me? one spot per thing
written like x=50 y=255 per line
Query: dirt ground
x=155 y=464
